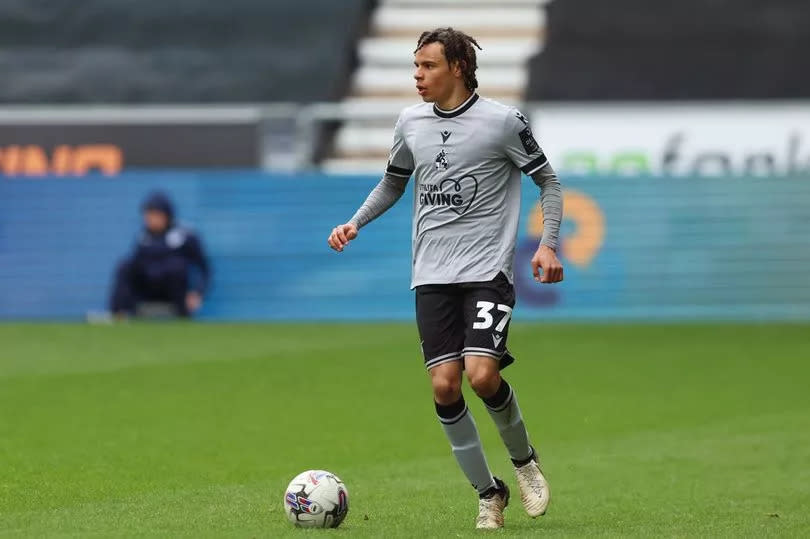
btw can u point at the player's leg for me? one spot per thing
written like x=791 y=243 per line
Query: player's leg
x=501 y=403
x=492 y=502
x=441 y=328
x=488 y=313
x=459 y=426
x=176 y=285
x=123 y=295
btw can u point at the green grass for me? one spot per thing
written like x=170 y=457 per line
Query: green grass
x=194 y=430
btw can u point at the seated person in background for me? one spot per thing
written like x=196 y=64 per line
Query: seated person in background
x=166 y=258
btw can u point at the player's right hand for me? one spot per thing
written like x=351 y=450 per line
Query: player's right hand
x=341 y=235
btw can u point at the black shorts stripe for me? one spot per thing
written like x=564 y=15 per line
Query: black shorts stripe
x=534 y=164
x=391 y=169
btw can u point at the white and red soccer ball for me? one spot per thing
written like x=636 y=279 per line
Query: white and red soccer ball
x=316 y=499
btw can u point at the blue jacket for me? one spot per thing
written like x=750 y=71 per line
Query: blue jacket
x=178 y=248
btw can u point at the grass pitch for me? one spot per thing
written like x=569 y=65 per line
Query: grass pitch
x=189 y=430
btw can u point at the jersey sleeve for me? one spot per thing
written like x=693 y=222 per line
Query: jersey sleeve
x=519 y=143
x=400 y=162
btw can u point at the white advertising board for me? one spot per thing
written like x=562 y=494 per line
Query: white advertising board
x=711 y=139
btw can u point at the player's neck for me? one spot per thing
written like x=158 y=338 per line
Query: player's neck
x=454 y=100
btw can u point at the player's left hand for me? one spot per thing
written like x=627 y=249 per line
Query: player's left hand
x=546 y=259
x=193 y=301
x=341 y=236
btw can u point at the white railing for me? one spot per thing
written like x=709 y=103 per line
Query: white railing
x=288 y=134
x=673 y=138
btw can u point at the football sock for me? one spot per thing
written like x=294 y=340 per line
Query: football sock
x=459 y=426
x=504 y=409
x=499 y=488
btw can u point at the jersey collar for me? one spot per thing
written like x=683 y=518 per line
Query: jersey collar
x=459 y=110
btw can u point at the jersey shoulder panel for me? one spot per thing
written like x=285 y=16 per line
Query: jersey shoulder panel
x=415 y=111
x=496 y=107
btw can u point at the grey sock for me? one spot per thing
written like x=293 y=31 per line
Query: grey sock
x=504 y=409
x=460 y=429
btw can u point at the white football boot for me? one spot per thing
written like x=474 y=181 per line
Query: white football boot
x=490 y=508
x=534 y=491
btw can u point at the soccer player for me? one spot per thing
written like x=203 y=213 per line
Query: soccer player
x=467 y=153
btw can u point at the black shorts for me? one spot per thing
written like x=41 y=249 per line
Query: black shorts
x=465 y=319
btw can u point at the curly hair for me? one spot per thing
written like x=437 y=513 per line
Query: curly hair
x=458 y=47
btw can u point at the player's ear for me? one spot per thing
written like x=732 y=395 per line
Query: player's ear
x=457 y=68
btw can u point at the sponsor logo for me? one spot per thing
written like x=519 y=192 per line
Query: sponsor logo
x=445 y=136
x=527 y=139
x=680 y=155
x=308 y=506
x=302 y=503
x=496 y=339
x=700 y=140
x=292 y=500
x=457 y=194
x=580 y=245
x=175 y=238
x=64 y=160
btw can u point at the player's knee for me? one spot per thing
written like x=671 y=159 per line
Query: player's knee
x=446 y=389
x=484 y=379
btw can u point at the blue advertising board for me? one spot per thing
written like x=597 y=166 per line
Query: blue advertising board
x=633 y=248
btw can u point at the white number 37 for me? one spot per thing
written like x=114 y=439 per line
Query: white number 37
x=485 y=319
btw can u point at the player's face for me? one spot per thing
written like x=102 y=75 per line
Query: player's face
x=155 y=221
x=435 y=79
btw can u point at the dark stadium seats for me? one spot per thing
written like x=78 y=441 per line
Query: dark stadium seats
x=691 y=49
x=180 y=51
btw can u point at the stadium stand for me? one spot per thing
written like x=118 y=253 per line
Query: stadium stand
x=510 y=32
x=184 y=51
x=635 y=49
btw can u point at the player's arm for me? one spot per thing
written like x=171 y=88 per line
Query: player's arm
x=545 y=257
x=524 y=151
x=381 y=198
x=388 y=191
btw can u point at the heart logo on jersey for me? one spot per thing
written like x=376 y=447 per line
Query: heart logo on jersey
x=463 y=185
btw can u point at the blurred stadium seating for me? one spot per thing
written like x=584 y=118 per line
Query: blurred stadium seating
x=690 y=49
x=185 y=51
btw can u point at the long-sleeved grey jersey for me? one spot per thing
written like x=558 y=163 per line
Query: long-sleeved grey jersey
x=466 y=163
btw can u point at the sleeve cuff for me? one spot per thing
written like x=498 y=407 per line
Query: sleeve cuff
x=534 y=165
x=398 y=171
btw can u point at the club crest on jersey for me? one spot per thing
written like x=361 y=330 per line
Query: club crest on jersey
x=441 y=162
x=455 y=194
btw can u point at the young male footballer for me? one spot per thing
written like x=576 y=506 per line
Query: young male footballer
x=467 y=154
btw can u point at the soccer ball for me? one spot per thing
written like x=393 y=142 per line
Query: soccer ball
x=316 y=499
